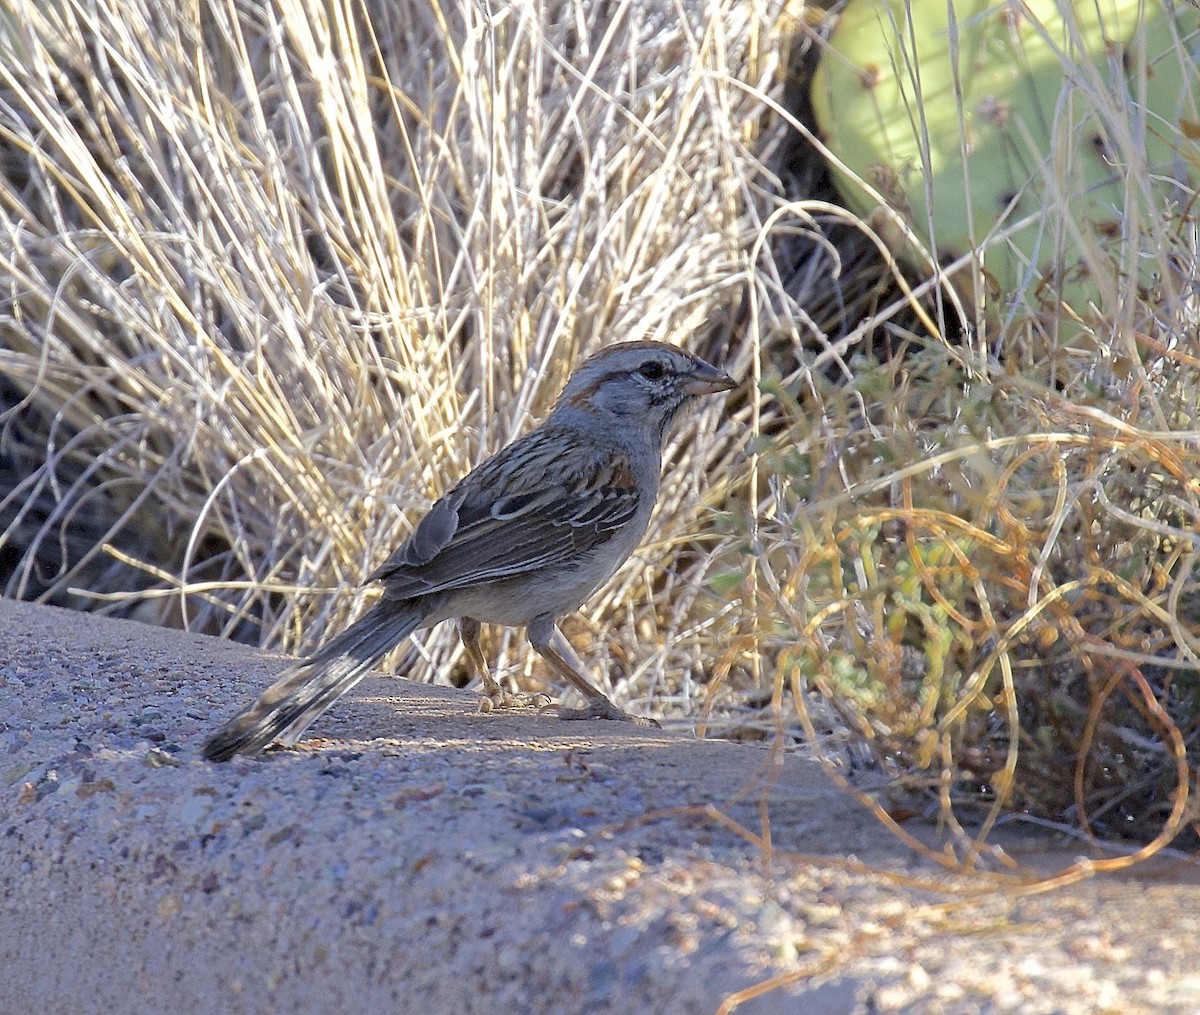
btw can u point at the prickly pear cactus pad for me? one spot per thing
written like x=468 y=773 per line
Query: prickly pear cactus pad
x=1044 y=137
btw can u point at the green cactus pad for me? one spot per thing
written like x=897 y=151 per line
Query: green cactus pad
x=1036 y=139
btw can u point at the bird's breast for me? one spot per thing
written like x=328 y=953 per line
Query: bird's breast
x=557 y=591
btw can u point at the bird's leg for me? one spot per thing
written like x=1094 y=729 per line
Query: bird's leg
x=494 y=696
x=550 y=644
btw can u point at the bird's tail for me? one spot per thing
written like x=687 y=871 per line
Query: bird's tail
x=303 y=691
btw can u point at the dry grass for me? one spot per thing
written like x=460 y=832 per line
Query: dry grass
x=979 y=548
x=273 y=276
x=276 y=275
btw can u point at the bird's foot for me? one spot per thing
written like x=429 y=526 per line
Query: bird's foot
x=602 y=708
x=494 y=699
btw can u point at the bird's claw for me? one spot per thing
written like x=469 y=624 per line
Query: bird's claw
x=493 y=700
x=602 y=708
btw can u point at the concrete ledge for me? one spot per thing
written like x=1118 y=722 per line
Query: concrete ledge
x=417 y=857
x=453 y=863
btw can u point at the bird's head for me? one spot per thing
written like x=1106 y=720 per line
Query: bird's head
x=635 y=384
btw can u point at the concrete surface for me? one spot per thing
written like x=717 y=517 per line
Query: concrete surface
x=414 y=856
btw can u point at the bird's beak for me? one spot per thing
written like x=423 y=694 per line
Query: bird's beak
x=708 y=380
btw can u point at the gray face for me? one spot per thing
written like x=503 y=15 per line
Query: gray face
x=642 y=384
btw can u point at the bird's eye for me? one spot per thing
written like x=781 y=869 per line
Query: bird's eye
x=652 y=371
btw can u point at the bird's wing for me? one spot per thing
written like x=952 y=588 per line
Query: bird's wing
x=518 y=512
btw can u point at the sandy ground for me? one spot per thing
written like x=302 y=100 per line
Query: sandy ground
x=414 y=856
